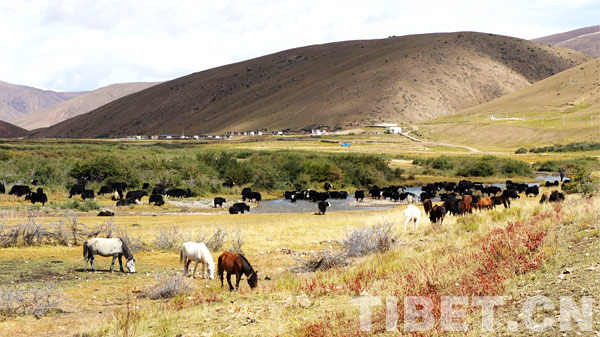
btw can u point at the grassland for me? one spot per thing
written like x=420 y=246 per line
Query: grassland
x=94 y=304
x=95 y=300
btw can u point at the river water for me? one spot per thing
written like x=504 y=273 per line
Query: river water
x=282 y=205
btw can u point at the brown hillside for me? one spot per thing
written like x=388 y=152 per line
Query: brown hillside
x=78 y=105
x=402 y=79
x=8 y=130
x=573 y=94
x=17 y=100
x=585 y=40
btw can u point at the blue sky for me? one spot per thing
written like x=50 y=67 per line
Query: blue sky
x=85 y=44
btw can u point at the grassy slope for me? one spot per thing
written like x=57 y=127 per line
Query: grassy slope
x=574 y=94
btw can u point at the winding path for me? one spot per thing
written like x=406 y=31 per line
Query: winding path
x=471 y=149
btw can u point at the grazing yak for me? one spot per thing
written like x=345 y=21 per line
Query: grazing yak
x=239 y=207
x=179 y=193
x=556 y=196
x=323 y=207
x=160 y=189
x=88 y=194
x=229 y=184
x=157 y=199
x=106 y=189
x=106 y=213
x=246 y=190
x=145 y=186
x=484 y=203
x=437 y=213
x=19 y=190
x=2 y=188
x=427 y=206
x=532 y=190
x=359 y=195
x=219 y=201
x=137 y=195
x=127 y=202
x=501 y=200
x=252 y=196
x=465 y=207
x=76 y=189
x=511 y=193
x=38 y=196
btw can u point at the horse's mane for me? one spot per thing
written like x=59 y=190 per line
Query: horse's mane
x=126 y=251
x=246 y=265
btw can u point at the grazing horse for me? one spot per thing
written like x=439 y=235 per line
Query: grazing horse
x=236 y=264
x=193 y=251
x=411 y=214
x=114 y=247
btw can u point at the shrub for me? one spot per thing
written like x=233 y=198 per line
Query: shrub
x=167 y=287
x=521 y=150
x=216 y=240
x=322 y=260
x=237 y=241
x=366 y=240
x=82 y=206
x=107 y=168
x=37 y=301
x=168 y=238
x=582 y=181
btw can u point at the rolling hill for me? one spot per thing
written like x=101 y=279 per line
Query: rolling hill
x=8 y=130
x=78 y=105
x=559 y=109
x=400 y=79
x=17 y=100
x=585 y=40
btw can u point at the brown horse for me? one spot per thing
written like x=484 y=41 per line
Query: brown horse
x=236 y=264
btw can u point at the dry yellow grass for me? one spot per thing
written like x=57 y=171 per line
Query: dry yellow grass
x=277 y=307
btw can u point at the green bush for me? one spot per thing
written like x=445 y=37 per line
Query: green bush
x=521 y=151
x=582 y=181
x=106 y=168
x=85 y=206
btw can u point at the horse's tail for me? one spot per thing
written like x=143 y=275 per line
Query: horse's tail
x=181 y=258
x=85 y=251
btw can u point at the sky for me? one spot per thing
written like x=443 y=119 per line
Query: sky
x=77 y=45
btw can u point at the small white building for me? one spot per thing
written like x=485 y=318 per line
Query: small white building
x=318 y=132
x=393 y=129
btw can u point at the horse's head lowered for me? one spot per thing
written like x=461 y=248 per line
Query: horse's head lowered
x=211 y=270
x=131 y=265
x=253 y=280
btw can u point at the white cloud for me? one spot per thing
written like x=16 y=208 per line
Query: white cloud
x=85 y=44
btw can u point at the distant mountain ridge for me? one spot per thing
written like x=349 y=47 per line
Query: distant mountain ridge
x=585 y=40
x=399 y=79
x=17 y=100
x=78 y=105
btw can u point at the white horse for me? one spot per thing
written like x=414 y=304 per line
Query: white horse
x=114 y=247
x=412 y=214
x=193 y=251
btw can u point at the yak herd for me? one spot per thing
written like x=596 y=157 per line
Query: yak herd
x=457 y=198
x=462 y=197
